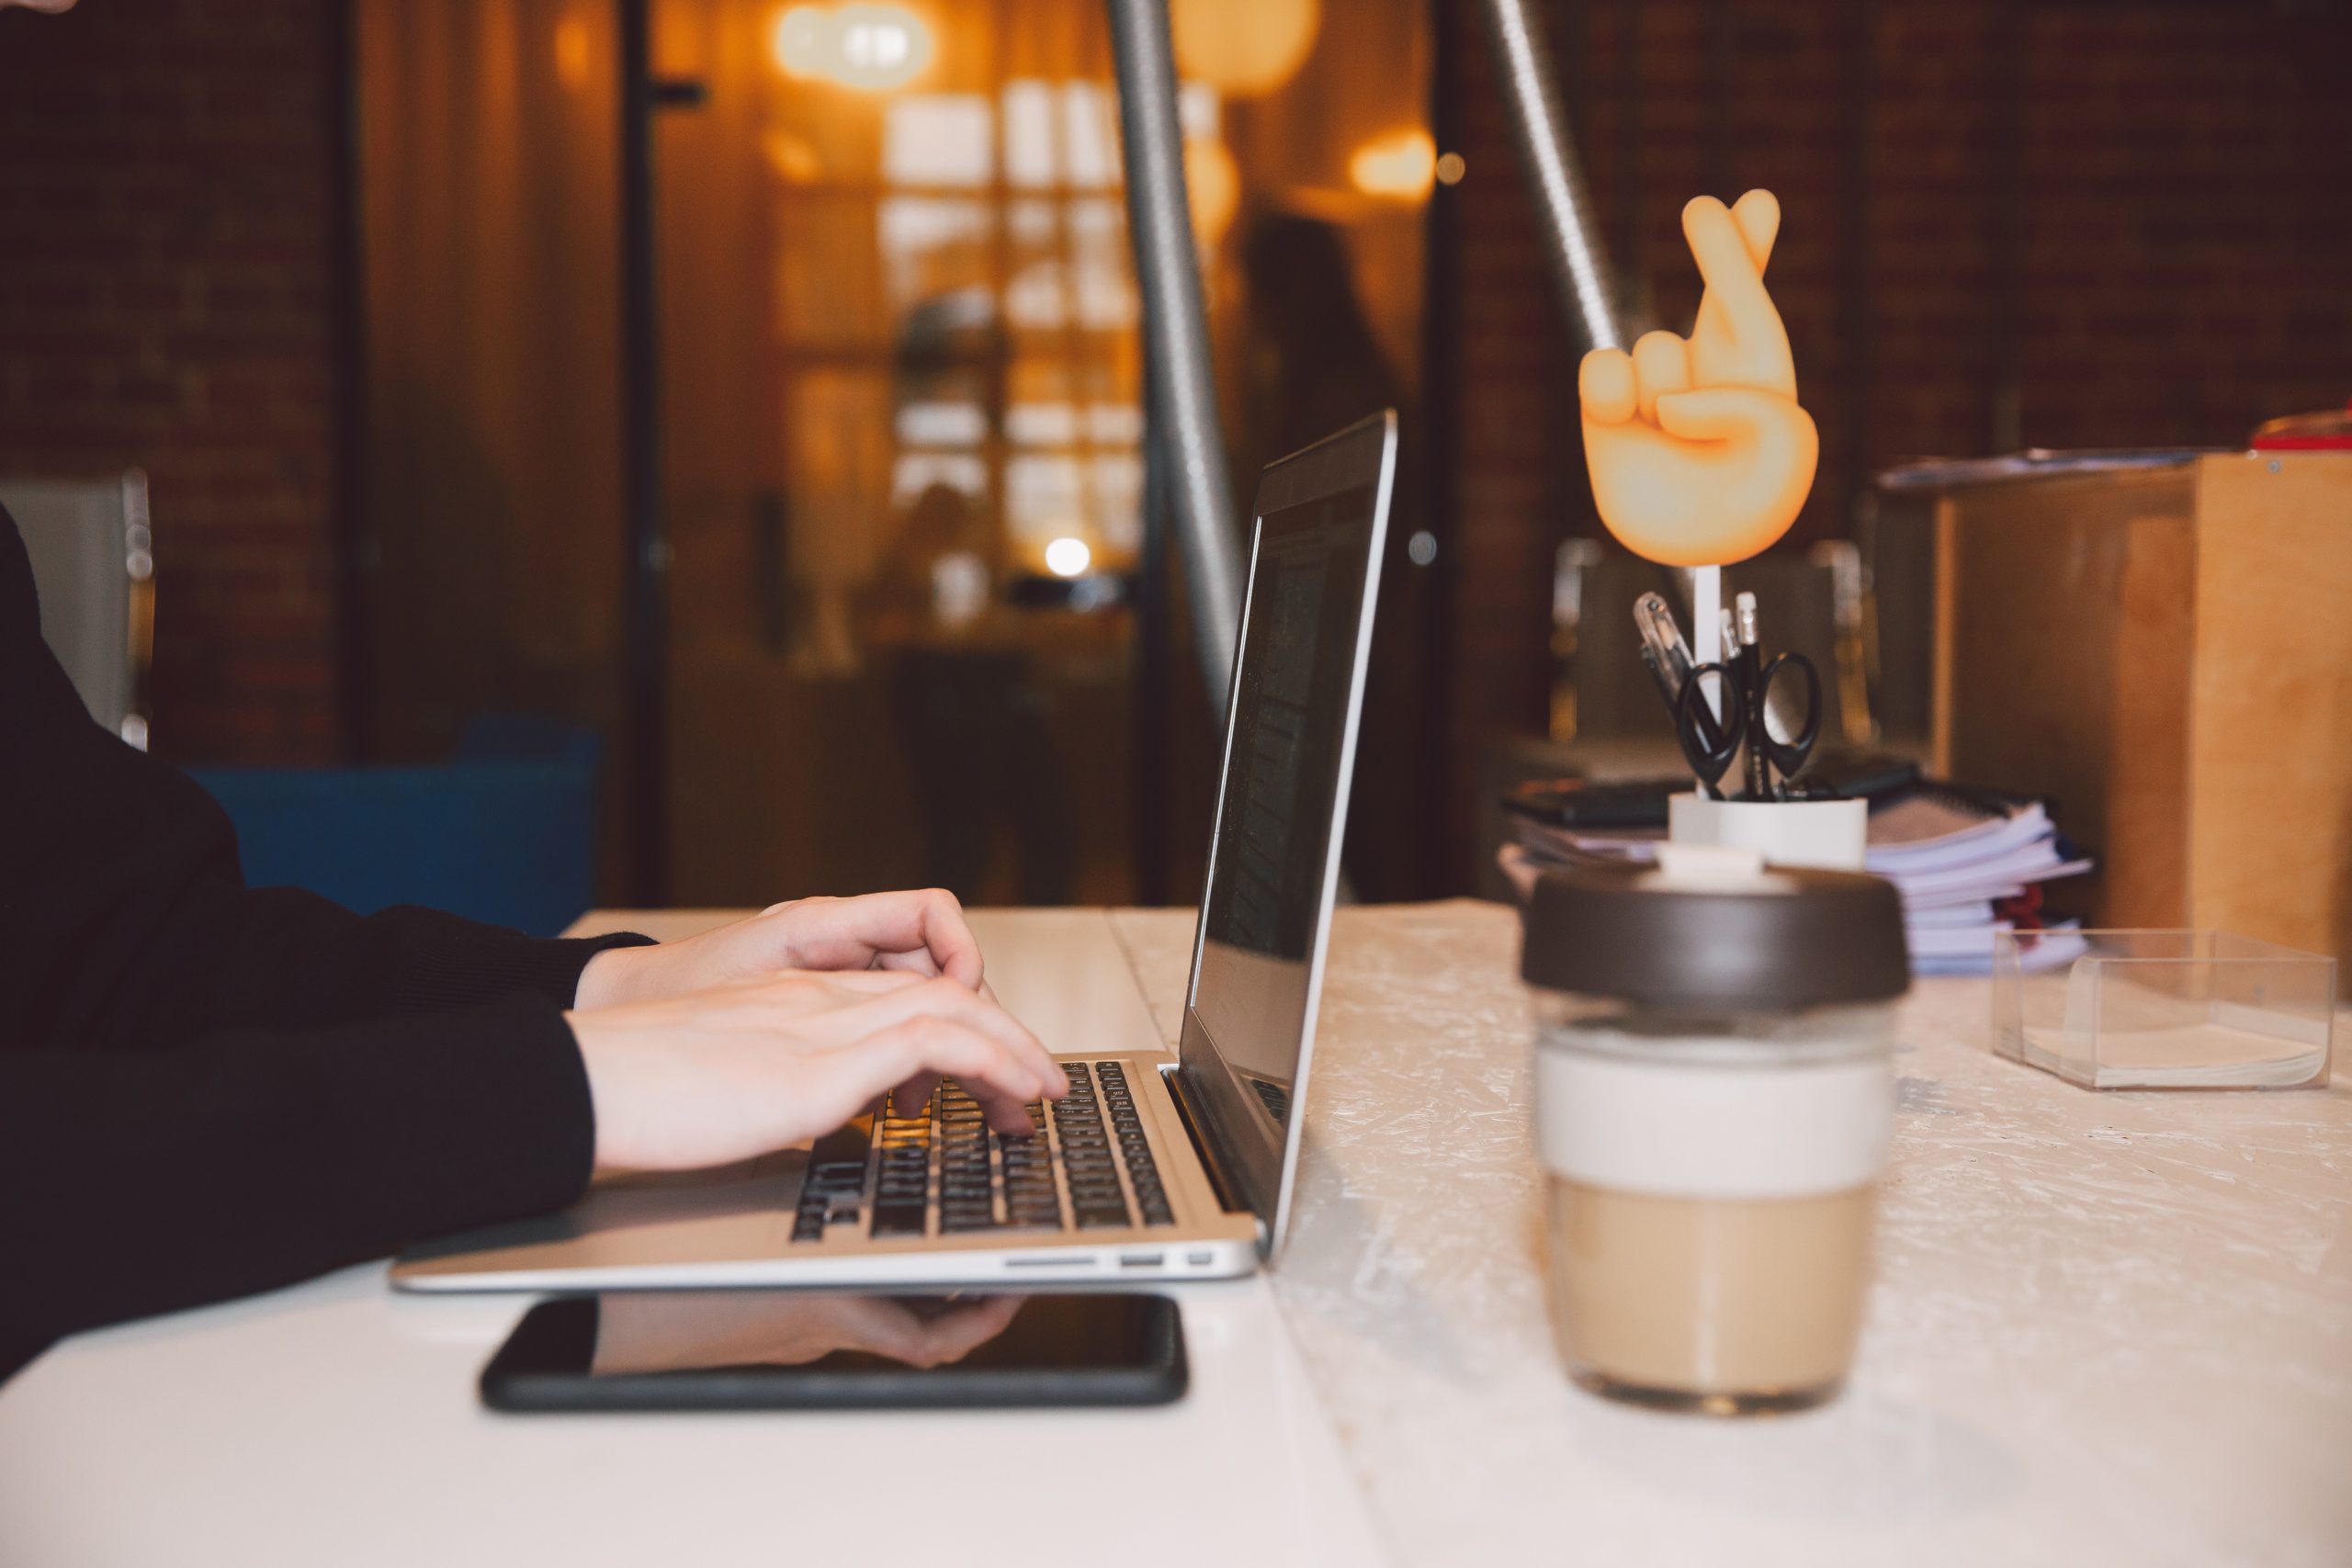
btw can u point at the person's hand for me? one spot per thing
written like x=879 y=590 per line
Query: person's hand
x=661 y=1332
x=683 y=1083
x=1699 y=453
x=920 y=932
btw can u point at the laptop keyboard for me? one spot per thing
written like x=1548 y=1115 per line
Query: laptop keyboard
x=940 y=1170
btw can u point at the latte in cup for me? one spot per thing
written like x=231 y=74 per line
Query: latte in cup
x=1755 y=1302
x=1709 y=1212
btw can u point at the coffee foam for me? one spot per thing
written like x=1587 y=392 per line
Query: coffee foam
x=1720 y=1128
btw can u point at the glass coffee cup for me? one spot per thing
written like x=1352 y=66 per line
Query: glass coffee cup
x=1714 y=1101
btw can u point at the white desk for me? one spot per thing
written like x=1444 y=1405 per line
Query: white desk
x=2109 y=1330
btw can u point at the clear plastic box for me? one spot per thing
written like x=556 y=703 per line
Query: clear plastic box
x=2163 y=1009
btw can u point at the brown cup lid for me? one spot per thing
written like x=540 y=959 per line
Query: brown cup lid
x=1771 y=938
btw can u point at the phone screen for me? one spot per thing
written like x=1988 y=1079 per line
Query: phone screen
x=790 y=1349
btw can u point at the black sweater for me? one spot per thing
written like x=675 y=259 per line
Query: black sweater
x=206 y=1089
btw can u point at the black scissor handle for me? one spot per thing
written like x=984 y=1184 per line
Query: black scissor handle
x=1709 y=742
x=1788 y=756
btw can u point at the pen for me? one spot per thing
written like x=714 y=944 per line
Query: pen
x=1668 y=658
x=1663 y=639
x=1751 y=691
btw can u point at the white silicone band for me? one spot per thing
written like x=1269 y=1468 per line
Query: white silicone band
x=1712 y=1130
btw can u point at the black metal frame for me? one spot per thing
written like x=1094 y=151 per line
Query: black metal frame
x=645 y=719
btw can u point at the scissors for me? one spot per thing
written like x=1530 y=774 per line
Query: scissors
x=1744 y=684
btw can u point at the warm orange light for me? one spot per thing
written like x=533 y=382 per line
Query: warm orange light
x=872 y=48
x=572 y=56
x=1213 y=187
x=794 y=159
x=1068 y=557
x=1399 y=165
x=1243 y=47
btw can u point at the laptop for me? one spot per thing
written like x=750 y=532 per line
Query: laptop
x=1151 y=1168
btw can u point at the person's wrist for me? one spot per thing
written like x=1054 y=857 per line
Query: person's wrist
x=586 y=1039
x=609 y=977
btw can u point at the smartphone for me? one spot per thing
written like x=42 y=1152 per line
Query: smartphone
x=742 y=1349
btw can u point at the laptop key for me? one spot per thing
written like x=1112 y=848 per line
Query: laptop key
x=896 y=1218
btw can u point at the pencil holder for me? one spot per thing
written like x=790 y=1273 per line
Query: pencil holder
x=1826 y=834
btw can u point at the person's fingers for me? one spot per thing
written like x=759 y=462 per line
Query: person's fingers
x=881 y=1325
x=911 y=1096
x=1732 y=278
x=917 y=962
x=967 y=1327
x=1661 y=365
x=944 y=998
x=1605 y=386
x=1758 y=215
x=986 y=1067
x=918 y=926
x=921 y=929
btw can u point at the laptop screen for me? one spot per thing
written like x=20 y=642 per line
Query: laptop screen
x=1282 y=798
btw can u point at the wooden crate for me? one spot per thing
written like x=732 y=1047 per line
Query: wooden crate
x=2167 y=655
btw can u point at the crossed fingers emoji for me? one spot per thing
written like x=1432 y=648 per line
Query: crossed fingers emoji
x=1699 y=453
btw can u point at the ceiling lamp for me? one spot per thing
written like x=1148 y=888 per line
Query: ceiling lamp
x=1243 y=47
x=1399 y=165
x=1067 y=557
x=871 y=47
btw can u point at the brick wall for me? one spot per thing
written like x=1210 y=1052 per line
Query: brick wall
x=169 y=181
x=2171 y=176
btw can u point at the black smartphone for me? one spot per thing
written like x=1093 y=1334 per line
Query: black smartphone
x=741 y=1350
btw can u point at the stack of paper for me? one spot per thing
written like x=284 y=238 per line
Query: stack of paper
x=1957 y=862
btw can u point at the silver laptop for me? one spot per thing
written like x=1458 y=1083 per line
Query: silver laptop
x=1151 y=1169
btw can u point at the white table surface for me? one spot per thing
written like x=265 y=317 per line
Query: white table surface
x=2108 y=1328
x=2111 y=1328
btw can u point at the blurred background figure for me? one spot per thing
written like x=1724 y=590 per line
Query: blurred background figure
x=1314 y=362
x=1316 y=365
x=979 y=743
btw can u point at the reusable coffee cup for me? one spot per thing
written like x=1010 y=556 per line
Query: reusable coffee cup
x=1714 y=1094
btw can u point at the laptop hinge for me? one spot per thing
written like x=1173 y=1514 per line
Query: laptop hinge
x=1219 y=1170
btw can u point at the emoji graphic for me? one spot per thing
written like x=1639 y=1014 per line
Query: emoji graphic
x=1699 y=453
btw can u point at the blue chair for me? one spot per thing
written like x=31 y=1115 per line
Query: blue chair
x=505 y=832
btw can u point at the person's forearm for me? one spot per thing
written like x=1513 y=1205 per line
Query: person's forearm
x=279 y=958
x=138 y=1183
x=124 y=921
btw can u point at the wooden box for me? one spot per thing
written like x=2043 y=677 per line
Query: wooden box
x=2167 y=654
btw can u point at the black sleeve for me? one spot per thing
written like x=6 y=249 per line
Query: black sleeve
x=123 y=920
x=206 y=1089
x=135 y=1183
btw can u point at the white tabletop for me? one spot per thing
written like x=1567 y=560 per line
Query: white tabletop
x=2109 y=1328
